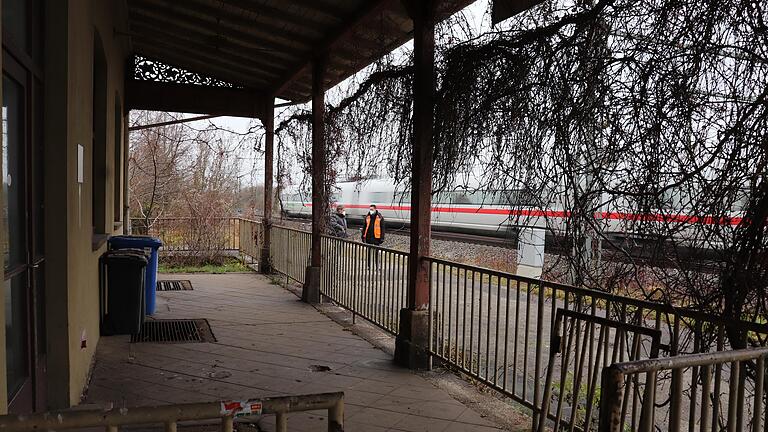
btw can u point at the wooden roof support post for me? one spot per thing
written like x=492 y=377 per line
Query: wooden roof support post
x=311 y=290
x=265 y=266
x=412 y=345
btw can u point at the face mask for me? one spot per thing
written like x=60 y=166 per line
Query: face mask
x=343 y=213
x=372 y=212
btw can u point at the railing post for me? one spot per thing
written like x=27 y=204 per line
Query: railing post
x=336 y=417
x=281 y=422
x=412 y=343
x=311 y=290
x=611 y=394
x=228 y=424
x=265 y=265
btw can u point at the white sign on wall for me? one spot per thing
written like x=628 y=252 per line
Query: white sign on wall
x=80 y=157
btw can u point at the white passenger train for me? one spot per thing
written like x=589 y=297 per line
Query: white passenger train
x=498 y=213
x=457 y=210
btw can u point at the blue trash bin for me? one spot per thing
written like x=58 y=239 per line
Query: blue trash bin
x=151 y=245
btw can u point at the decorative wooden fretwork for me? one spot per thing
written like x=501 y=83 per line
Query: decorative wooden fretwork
x=145 y=69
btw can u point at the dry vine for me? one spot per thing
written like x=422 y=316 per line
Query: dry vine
x=653 y=111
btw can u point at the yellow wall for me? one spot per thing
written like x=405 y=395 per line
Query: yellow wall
x=72 y=311
x=85 y=17
x=72 y=273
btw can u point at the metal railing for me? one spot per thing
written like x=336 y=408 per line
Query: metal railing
x=290 y=252
x=497 y=327
x=369 y=281
x=192 y=234
x=581 y=346
x=727 y=391
x=251 y=236
x=171 y=415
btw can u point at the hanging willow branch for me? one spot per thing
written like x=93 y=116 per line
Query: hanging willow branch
x=643 y=122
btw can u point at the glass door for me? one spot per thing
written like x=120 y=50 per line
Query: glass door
x=14 y=225
x=22 y=205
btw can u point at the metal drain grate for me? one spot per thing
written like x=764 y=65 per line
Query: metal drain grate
x=175 y=331
x=174 y=285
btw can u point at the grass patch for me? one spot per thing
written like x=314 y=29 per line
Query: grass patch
x=230 y=266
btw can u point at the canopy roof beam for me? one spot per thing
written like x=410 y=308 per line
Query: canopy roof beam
x=190 y=98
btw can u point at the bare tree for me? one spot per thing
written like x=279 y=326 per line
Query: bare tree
x=157 y=160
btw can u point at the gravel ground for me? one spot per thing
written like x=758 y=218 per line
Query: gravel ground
x=495 y=257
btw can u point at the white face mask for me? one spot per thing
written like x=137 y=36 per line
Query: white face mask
x=372 y=212
x=343 y=213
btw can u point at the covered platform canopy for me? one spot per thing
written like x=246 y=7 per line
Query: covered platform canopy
x=235 y=57
x=258 y=49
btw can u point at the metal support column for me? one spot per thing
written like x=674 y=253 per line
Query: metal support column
x=411 y=348
x=265 y=266
x=311 y=290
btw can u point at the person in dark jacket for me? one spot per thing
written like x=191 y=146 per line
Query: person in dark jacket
x=373 y=232
x=338 y=223
x=341 y=218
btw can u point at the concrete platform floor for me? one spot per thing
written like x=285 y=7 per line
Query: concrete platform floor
x=268 y=343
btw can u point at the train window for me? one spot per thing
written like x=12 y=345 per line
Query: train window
x=402 y=197
x=669 y=199
x=510 y=197
x=442 y=198
x=380 y=197
x=523 y=198
x=461 y=198
x=740 y=200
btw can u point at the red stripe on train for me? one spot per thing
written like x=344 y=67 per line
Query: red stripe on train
x=648 y=217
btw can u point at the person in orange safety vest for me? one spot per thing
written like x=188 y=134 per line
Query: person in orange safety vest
x=373 y=232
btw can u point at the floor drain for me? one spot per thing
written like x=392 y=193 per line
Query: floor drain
x=175 y=331
x=174 y=285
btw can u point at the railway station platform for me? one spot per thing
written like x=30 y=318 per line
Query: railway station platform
x=268 y=344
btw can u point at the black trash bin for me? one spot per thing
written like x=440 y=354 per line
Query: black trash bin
x=122 y=282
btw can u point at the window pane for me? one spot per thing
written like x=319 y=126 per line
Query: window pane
x=13 y=205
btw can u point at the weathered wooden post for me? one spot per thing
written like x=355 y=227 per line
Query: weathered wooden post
x=265 y=265
x=412 y=344
x=311 y=290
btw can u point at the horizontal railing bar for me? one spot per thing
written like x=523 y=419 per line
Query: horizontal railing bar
x=161 y=414
x=646 y=304
x=611 y=323
x=689 y=360
x=368 y=245
x=283 y=227
x=185 y=218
